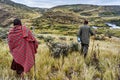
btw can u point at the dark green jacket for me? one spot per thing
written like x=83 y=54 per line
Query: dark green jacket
x=84 y=33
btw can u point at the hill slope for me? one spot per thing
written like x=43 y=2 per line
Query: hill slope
x=66 y=19
x=10 y=10
x=82 y=8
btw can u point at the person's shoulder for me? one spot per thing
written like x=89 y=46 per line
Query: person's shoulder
x=81 y=27
x=11 y=29
x=84 y=27
x=25 y=27
x=87 y=26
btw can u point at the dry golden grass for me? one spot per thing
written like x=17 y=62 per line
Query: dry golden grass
x=102 y=63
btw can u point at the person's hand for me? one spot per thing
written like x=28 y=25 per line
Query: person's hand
x=78 y=38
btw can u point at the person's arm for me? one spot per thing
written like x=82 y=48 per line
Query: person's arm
x=79 y=35
x=10 y=44
x=31 y=38
x=79 y=32
x=91 y=32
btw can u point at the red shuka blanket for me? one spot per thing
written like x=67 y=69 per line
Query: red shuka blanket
x=23 y=46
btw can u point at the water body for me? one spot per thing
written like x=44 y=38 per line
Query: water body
x=94 y=27
x=113 y=26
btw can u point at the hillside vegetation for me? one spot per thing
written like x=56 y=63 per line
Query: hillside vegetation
x=66 y=19
x=10 y=10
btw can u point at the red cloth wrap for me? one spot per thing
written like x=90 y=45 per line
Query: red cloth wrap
x=23 y=46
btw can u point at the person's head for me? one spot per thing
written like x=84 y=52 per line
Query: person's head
x=85 y=22
x=17 y=22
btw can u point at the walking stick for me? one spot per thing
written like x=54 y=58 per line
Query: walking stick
x=92 y=46
x=35 y=78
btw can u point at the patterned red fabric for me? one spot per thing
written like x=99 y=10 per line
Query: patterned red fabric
x=23 y=46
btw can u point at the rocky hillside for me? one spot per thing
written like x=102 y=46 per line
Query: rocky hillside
x=89 y=10
x=63 y=19
x=73 y=14
x=10 y=10
x=67 y=18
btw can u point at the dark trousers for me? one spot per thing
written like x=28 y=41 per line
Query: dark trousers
x=17 y=67
x=84 y=49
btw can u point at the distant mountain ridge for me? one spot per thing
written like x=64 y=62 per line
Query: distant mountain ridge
x=70 y=13
x=83 y=7
x=116 y=7
x=75 y=13
x=18 y=5
x=11 y=3
x=10 y=10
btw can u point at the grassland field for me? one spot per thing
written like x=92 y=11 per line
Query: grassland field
x=102 y=63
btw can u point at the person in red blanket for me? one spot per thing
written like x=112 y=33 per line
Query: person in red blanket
x=23 y=46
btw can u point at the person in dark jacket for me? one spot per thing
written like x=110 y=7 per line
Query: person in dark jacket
x=84 y=34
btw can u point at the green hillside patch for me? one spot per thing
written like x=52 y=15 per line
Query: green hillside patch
x=76 y=7
x=61 y=17
x=116 y=21
x=64 y=29
x=76 y=10
x=57 y=22
x=86 y=14
x=109 y=14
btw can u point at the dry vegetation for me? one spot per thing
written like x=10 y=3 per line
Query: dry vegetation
x=102 y=63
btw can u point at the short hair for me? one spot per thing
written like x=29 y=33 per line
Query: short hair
x=85 y=22
x=17 y=22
